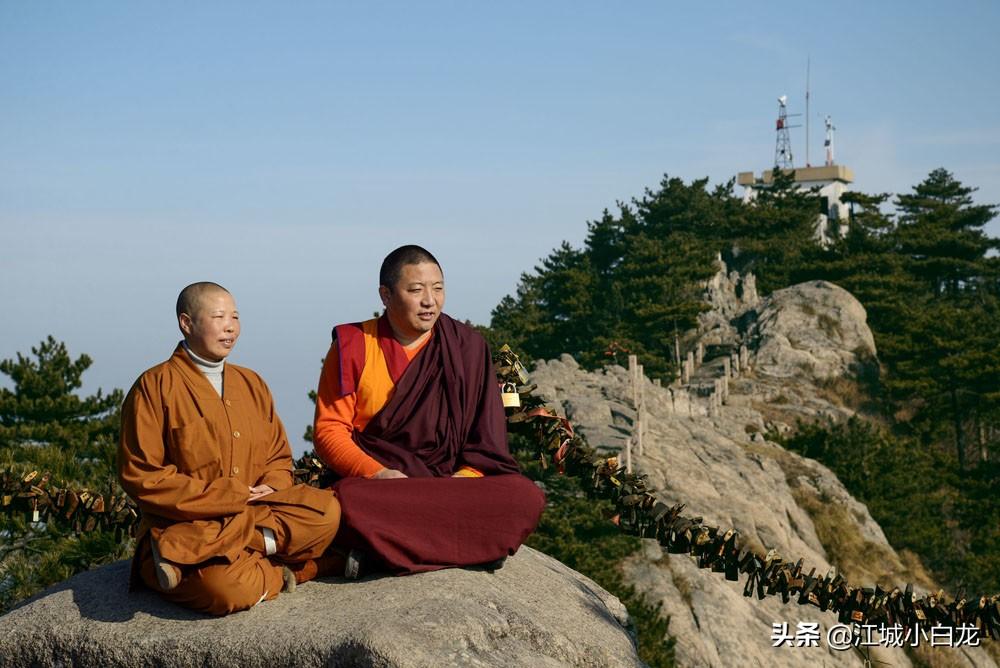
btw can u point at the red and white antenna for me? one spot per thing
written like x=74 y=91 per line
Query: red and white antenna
x=783 y=144
x=828 y=142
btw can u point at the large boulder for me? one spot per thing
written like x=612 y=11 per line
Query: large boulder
x=809 y=346
x=532 y=612
x=815 y=330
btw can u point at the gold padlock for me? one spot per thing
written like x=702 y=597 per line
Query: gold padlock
x=511 y=399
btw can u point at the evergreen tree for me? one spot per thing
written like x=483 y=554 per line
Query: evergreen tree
x=930 y=292
x=43 y=421
x=634 y=282
x=942 y=358
x=948 y=369
x=46 y=426
x=941 y=231
x=774 y=236
x=914 y=494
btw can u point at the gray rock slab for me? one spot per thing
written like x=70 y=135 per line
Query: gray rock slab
x=533 y=612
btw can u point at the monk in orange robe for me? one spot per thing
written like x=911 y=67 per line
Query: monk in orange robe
x=205 y=457
x=408 y=413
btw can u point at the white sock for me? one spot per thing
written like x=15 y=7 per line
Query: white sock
x=270 y=545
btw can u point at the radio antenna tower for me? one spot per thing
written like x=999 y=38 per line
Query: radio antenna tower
x=783 y=145
x=828 y=142
x=807 y=112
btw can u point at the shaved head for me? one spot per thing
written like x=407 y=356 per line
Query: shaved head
x=392 y=265
x=207 y=316
x=189 y=300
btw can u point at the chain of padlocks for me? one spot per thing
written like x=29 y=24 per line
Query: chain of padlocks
x=80 y=511
x=636 y=511
x=639 y=513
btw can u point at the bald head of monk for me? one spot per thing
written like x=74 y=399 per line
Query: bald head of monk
x=411 y=286
x=207 y=316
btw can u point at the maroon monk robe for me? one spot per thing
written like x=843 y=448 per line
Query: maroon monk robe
x=445 y=413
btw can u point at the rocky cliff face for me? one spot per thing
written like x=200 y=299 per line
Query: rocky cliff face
x=708 y=450
x=532 y=612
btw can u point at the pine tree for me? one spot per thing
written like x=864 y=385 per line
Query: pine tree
x=942 y=357
x=634 y=283
x=46 y=426
x=930 y=292
x=941 y=231
x=774 y=236
x=44 y=421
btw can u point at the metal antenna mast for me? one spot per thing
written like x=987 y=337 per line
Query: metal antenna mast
x=783 y=145
x=807 y=111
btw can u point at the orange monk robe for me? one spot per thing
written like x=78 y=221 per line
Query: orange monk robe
x=337 y=417
x=188 y=458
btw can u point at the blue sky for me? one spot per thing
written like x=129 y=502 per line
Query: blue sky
x=282 y=149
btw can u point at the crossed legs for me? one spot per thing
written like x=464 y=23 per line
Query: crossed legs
x=220 y=586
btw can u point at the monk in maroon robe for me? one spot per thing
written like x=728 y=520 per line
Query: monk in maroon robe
x=408 y=412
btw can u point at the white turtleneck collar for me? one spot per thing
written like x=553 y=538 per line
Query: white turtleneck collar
x=212 y=370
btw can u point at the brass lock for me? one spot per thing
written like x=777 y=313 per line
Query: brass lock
x=511 y=399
